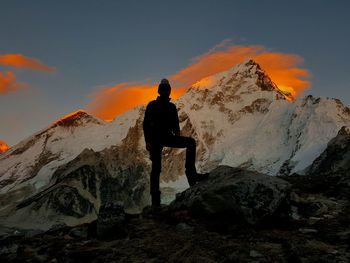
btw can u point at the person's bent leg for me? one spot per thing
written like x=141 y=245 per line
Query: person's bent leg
x=190 y=144
x=184 y=142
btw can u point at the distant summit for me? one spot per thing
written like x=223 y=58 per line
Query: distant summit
x=76 y=118
x=239 y=76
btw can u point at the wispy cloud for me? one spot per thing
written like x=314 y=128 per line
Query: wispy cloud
x=20 y=61
x=109 y=102
x=284 y=69
x=8 y=80
x=8 y=83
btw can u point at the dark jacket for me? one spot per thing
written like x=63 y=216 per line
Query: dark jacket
x=160 y=121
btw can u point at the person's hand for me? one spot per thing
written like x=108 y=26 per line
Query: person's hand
x=148 y=146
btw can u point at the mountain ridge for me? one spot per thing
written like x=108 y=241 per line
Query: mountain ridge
x=239 y=119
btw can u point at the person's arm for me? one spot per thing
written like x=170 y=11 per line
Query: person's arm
x=147 y=127
x=176 y=125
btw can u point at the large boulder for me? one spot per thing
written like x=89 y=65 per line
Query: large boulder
x=244 y=195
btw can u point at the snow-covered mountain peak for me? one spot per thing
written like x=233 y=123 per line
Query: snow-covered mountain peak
x=76 y=118
x=251 y=69
x=249 y=65
x=245 y=78
x=3 y=146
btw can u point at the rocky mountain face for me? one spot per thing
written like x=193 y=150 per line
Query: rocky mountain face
x=239 y=118
x=335 y=159
x=75 y=191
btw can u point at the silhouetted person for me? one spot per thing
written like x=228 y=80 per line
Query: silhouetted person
x=161 y=128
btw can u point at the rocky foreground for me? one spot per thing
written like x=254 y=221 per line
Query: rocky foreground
x=234 y=216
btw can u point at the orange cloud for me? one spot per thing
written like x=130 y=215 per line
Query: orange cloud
x=283 y=69
x=8 y=83
x=20 y=61
x=3 y=146
x=109 y=102
x=213 y=62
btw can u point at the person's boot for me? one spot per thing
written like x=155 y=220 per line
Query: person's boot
x=194 y=177
x=201 y=177
x=191 y=177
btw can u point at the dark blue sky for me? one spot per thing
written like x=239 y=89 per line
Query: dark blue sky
x=97 y=43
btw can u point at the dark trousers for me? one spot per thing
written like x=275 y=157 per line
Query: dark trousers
x=156 y=157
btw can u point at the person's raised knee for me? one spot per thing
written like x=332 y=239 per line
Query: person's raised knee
x=191 y=142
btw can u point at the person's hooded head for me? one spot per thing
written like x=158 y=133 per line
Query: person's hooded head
x=164 y=88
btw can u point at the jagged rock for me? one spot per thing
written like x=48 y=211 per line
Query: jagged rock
x=336 y=157
x=111 y=221
x=231 y=191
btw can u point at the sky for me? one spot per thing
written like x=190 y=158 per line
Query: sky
x=107 y=56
